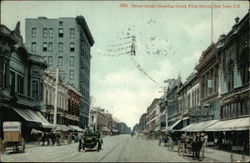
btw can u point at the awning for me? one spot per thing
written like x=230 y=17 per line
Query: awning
x=63 y=127
x=175 y=124
x=231 y=125
x=33 y=116
x=195 y=127
x=77 y=128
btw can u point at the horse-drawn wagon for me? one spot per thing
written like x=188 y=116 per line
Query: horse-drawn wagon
x=190 y=146
x=12 y=137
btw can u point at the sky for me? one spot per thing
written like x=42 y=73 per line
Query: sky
x=169 y=41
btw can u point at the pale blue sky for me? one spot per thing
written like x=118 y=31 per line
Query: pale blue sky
x=116 y=83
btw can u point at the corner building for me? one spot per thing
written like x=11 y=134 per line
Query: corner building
x=64 y=43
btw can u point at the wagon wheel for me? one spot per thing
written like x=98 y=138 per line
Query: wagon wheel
x=3 y=147
x=80 y=146
x=23 y=145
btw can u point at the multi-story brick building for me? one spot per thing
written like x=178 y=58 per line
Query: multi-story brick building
x=151 y=117
x=73 y=106
x=49 y=98
x=64 y=43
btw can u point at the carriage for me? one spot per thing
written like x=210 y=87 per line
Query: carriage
x=190 y=145
x=12 y=137
x=90 y=140
x=184 y=146
x=57 y=136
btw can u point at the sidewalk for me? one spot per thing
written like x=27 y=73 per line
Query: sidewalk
x=222 y=156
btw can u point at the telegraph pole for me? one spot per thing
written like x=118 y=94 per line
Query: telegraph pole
x=55 y=104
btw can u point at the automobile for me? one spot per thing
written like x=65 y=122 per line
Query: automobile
x=91 y=140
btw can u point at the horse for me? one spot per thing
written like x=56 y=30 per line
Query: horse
x=196 y=146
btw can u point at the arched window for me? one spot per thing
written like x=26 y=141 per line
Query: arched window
x=244 y=66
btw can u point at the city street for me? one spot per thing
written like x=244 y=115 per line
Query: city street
x=121 y=148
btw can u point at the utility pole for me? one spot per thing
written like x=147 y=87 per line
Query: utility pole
x=55 y=104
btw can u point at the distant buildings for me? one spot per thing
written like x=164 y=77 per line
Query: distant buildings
x=106 y=123
x=66 y=43
x=215 y=97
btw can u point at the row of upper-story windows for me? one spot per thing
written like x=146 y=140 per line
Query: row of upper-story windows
x=236 y=109
x=49 y=60
x=48 y=47
x=49 y=32
x=17 y=85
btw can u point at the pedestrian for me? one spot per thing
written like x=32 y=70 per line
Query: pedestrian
x=43 y=138
x=161 y=137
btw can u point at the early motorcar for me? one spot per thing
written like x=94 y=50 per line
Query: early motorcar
x=90 y=140
x=12 y=137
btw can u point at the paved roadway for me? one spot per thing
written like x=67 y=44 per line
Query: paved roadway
x=121 y=148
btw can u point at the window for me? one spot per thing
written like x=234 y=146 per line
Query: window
x=60 y=46
x=231 y=76
x=33 y=32
x=20 y=84
x=33 y=46
x=50 y=60
x=60 y=32
x=12 y=83
x=71 y=60
x=72 y=32
x=72 y=46
x=50 y=46
x=35 y=89
x=45 y=46
x=60 y=23
x=60 y=61
x=44 y=32
x=51 y=32
x=71 y=74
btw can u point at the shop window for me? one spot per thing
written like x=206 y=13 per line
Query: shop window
x=20 y=84
x=45 y=48
x=60 y=32
x=45 y=32
x=33 y=32
x=35 y=90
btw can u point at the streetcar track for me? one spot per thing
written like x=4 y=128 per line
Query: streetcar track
x=108 y=153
